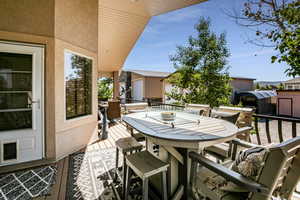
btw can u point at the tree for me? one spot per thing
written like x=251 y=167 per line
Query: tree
x=201 y=72
x=105 y=90
x=280 y=86
x=257 y=86
x=278 y=22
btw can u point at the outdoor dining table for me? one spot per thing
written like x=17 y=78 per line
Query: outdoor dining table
x=187 y=132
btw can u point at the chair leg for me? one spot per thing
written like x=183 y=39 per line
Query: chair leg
x=145 y=188
x=164 y=185
x=127 y=184
x=124 y=174
x=117 y=164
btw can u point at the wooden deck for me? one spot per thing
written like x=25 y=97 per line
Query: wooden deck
x=59 y=189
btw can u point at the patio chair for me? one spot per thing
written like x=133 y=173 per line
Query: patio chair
x=134 y=108
x=113 y=110
x=276 y=178
x=201 y=109
x=222 y=151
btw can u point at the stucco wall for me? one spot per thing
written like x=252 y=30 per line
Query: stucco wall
x=242 y=85
x=76 y=29
x=27 y=16
x=153 y=87
x=76 y=22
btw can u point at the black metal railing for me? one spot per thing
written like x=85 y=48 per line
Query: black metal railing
x=279 y=135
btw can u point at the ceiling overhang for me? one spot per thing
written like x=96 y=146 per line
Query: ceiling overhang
x=121 y=22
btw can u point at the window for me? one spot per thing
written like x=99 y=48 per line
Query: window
x=78 y=82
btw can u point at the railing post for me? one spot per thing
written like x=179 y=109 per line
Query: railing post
x=268 y=131
x=280 y=130
x=256 y=130
x=294 y=129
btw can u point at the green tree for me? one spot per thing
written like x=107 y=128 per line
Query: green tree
x=105 y=90
x=278 y=23
x=201 y=72
x=257 y=86
x=280 y=86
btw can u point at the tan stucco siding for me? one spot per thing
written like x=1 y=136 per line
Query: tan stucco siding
x=135 y=76
x=76 y=22
x=153 y=87
x=27 y=16
x=82 y=135
x=76 y=31
x=242 y=85
x=75 y=25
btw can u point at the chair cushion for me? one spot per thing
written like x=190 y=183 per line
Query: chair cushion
x=248 y=163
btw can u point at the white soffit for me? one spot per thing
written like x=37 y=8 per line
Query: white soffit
x=122 y=21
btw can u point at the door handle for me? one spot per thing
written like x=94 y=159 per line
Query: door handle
x=38 y=102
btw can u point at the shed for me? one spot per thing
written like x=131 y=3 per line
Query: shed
x=263 y=101
x=288 y=103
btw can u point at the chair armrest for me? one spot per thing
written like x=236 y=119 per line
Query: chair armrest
x=244 y=129
x=228 y=174
x=244 y=143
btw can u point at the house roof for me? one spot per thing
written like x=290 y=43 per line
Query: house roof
x=294 y=80
x=261 y=94
x=121 y=22
x=233 y=77
x=243 y=78
x=150 y=73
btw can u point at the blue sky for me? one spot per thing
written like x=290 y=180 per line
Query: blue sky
x=165 y=32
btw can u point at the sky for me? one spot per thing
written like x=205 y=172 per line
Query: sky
x=164 y=32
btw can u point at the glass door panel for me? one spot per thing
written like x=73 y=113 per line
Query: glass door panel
x=15 y=91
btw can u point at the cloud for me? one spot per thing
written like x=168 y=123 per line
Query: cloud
x=181 y=15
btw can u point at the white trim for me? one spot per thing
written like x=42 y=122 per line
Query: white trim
x=92 y=89
x=38 y=82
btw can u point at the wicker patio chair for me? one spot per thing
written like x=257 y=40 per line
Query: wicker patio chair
x=276 y=179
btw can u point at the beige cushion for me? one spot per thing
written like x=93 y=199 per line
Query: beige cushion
x=248 y=163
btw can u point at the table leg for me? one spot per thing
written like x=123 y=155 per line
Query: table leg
x=184 y=173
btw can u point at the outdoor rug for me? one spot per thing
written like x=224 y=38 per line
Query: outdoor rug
x=90 y=177
x=27 y=184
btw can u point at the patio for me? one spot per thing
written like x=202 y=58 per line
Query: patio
x=115 y=132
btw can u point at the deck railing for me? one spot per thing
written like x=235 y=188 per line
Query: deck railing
x=271 y=137
x=163 y=106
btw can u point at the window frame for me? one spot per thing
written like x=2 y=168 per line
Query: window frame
x=80 y=117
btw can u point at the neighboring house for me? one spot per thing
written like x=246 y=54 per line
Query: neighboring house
x=239 y=84
x=142 y=84
x=51 y=55
x=293 y=84
x=288 y=103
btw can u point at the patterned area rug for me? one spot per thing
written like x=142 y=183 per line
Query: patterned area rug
x=91 y=177
x=27 y=184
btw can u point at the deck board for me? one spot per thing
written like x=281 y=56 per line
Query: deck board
x=60 y=187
